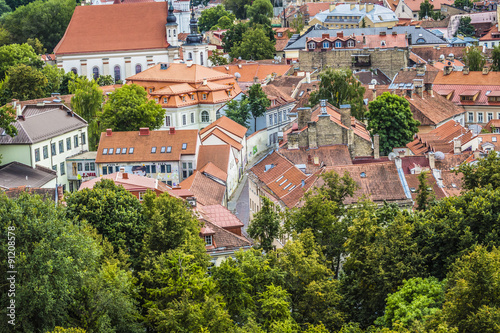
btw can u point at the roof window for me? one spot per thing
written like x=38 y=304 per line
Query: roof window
x=413 y=189
x=153 y=150
x=277 y=180
x=287 y=186
x=184 y=146
x=118 y=151
x=363 y=175
x=291 y=188
x=283 y=182
x=124 y=150
x=105 y=151
x=169 y=149
x=162 y=149
x=268 y=167
x=494 y=139
x=110 y=152
x=131 y=150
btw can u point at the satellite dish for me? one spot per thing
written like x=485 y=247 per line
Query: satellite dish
x=237 y=75
x=441 y=56
x=373 y=81
x=439 y=155
x=392 y=156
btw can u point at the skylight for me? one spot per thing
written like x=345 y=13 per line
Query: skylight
x=110 y=152
x=124 y=150
x=277 y=180
x=153 y=150
x=287 y=186
x=162 y=150
x=184 y=146
x=169 y=149
x=105 y=151
x=283 y=182
x=131 y=150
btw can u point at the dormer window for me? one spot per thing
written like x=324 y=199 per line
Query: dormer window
x=350 y=43
x=150 y=90
x=208 y=240
x=338 y=44
x=124 y=150
x=311 y=46
x=165 y=100
x=382 y=43
x=192 y=97
x=183 y=98
x=204 y=96
x=326 y=45
x=280 y=34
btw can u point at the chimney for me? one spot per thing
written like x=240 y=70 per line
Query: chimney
x=340 y=34
x=409 y=93
x=451 y=57
x=303 y=183
x=204 y=81
x=376 y=146
x=191 y=201
x=432 y=160
x=308 y=77
x=419 y=87
x=124 y=175
x=122 y=169
x=485 y=70
x=457 y=146
x=420 y=69
x=19 y=111
x=465 y=70
x=255 y=80
x=171 y=130
x=293 y=141
x=448 y=69
x=345 y=115
x=323 y=36
x=303 y=117
x=144 y=131
x=189 y=62
x=109 y=132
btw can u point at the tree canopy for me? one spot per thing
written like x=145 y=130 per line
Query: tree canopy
x=257 y=102
x=255 y=45
x=237 y=7
x=239 y=111
x=211 y=18
x=265 y=225
x=389 y=115
x=15 y=54
x=474 y=58
x=465 y=28
x=26 y=82
x=426 y=10
x=462 y=4
x=260 y=12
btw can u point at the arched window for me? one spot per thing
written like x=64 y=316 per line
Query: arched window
x=205 y=118
x=168 y=32
x=201 y=58
x=117 y=73
x=74 y=70
x=95 y=73
x=217 y=115
x=420 y=41
x=190 y=56
x=138 y=69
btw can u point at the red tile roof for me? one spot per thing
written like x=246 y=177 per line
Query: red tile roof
x=133 y=182
x=414 y=5
x=326 y=156
x=250 y=70
x=213 y=170
x=431 y=110
x=220 y=216
x=228 y=125
x=413 y=184
x=179 y=73
x=123 y=27
x=205 y=190
x=217 y=154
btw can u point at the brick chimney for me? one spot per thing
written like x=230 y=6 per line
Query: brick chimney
x=457 y=146
x=345 y=115
x=465 y=70
x=448 y=69
x=144 y=131
x=420 y=69
x=340 y=34
x=171 y=130
x=109 y=132
x=124 y=175
x=303 y=117
x=323 y=36
x=432 y=160
x=376 y=146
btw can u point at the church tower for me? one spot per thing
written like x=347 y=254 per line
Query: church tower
x=194 y=49
x=171 y=28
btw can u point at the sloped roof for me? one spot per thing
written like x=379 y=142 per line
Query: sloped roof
x=143 y=145
x=220 y=216
x=213 y=170
x=205 y=190
x=124 y=27
x=217 y=154
x=250 y=70
x=16 y=174
x=414 y=5
x=432 y=110
x=366 y=77
x=228 y=125
x=286 y=84
x=326 y=155
x=224 y=137
x=277 y=95
x=224 y=240
x=179 y=73
x=413 y=184
x=471 y=79
x=133 y=182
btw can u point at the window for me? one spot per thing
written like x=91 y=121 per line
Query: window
x=104 y=170
x=150 y=90
x=184 y=146
x=75 y=139
x=95 y=73
x=62 y=168
x=162 y=168
x=275 y=118
x=153 y=168
x=110 y=169
x=87 y=166
x=37 y=155
x=162 y=149
x=338 y=44
x=480 y=117
x=326 y=45
x=124 y=150
x=74 y=70
x=350 y=43
x=117 y=73
x=471 y=117
x=168 y=121
x=131 y=150
x=110 y=151
x=218 y=115
x=117 y=168
x=53 y=148
x=192 y=118
x=466 y=98
x=190 y=56
x=311 y=46
x=92 y=166
x=184 y=120
x=165 y=100
x=494 y=139
x=201 y=58
x=270 y=119
x=192 y=97
x=84 y=139
x=205 y=118
x=490 y=116
x=169 y=168
x=208 y=240
x=187 y=169
x=68 y=143
x=382 y=43
x=54 y=167
x=105 y=151
x=203 y=96
x=153 y=150
x=148 y=169
x=157 y=100
x=498 y=115
x=279 y=116
x=61 y=146
x=138 y=69
x=79 y=165
x=420 y=41
x=118 y=151
x=169 y=149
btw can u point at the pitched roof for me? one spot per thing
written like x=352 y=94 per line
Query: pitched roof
x=471 y=79
x=326 y=155
x=228 y=125
x=434 y=53
x=367 y=77
x=142 y=146
x=213 y=170
x=216 y=154
x=16 y=174
x=179 y=73
x=413 y=184
x=42 y=123
x=124 y=27
x=206 y=191
x=414 y=5
x=432 y=110
x=287 y=84
x=220 y=216
x=376 y=14
x=276 y=96
x=224 y=240
x=407 y=76
x=133 y=182
x=250 y=70
x=224 y=137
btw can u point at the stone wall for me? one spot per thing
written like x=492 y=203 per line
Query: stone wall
x=390 y=61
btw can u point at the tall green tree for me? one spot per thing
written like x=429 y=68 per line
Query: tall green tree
x=4 y=8
x=105 y=80
x=210 y=17
x=462 y=4
x=265 y=225
x=217 y=58
x=234 y=36
x=7 y=117
x=486 y=172
x=54 y=77
x=36 y=45
x=274 y=306
x=258 y=102
x=256 y=45
x=15 y=54
x=260 y=12
x=495 y=56
x=425 y=193
x=87 y=102
x=426 y=10
x=474 y=58
x=37 y=20
x=465 y=28
x=390 y=116
x=128 y=109
x=239 y=111
x=339 y=86
x=297 y=23
x=237 y=7
x=26 y=82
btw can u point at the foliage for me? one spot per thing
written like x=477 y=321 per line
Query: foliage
x=7 y=117
x=210 y=17
x=37 y=20
x=234 y=36
x=390 y=116
x=426 y=10
x=217 y=58
x=462 y=4
x=15 y=54
x=113 y=211
x=474 y=58
x=87 y=102
x=274 y=306
x=415 y=300
x=256 y=45
x=54 y=77
x=425 y=193
x=297 y=23
x=4 y=8
x=128 y=109
x=237 y=7
x=36 y=45
x=260 y=12
x=495 y=56
x=58 y=329
x=485 y=172
x=339 y=86
x=257 y=102
x=66 y=79
x=465 y=28
x=265 y=225
x=105 y=80
x=26 y=82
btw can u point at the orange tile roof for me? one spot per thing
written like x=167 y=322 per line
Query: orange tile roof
x=205 y=190
x=133 y=182
x=213 y=170
x=249 y=71
x=440 y=65
x=432 y=110
x=179 y=73
x=228 y=125
x=224 y=137
x=326 y=155
x=123 y=27
x=220 y=216
x=473 y=78
x=217 y=154
x=492 y=123
x=414 y=5
x=143 y=144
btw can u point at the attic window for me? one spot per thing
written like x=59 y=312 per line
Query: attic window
x=162 y=150
x=268 y=167
x=124 y=150
x=153 y=150
x=363 y=175
x=204 y=96
x=105 y=151
x=165 y=100
x=208 y=240
x=118 y=151
x=277 y=180
x=131 y=150
x=413 y=189
x=453 y=185
x=287 y=186
x=184 y=146
x=494 y=139
x=110 y=151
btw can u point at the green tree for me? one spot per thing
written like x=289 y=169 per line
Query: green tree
x=58 y=329
x=339 y=86
x=67 y=78
x=26 y=82
x=297 y=23
x=87 y=102
x=217 y=58
x=260 y=12
x=234 y=36
x=425 y=193
x=113 y=211
x=7 y=117
x=274 y=306
x=462 y=4
x=37 y=20
x=495 y=56
x=415 y=300
x=465 y=28
x=237 y=7
x=210 y=17
x=4 y=36
x=473 y=297
x=4 y=8
x=128 y=109
x=474 y=58
x=54 y=77
x=223 y=23
x=239 y=111
x=390 y=116
x=15 y=54
x=426 y=10
x=105 y=80
x=486 y=172
x=256 y=45
x=265 y=225
x=36 y=45
x=258 y=102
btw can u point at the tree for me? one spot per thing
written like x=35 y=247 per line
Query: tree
x=465 y=28
x=390 y=117
x=4 y=8
x=217 y=58
x=495 y=56
x=54 y=77
x=113 y=211
x=36 y=45
x=486 y=172
x=426 y=10
x=258 y=102
x=297 y=23
x=58 y=329
x=234 y=36
x=474 y=58
x=105 y=80
x=128 y=109
x=239 y=111
x=265 y=225
x=260 y=12
x=237 y=7
x=7 y=117
x=425 y=194
x=274 y=306
x=26 y=82
x=255 y=45
x=210 y=17
x=15 y=54
x=462 y=4
x=339 y=86
x=45 y=20
x=87 y=102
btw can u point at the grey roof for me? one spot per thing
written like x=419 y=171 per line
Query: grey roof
x=43 y=122
x=377 y=14
x=367 y=77
x=416 y=33
x=16 y=174
x=88 y=155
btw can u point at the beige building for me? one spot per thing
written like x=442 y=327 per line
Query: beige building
x=350 y=16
